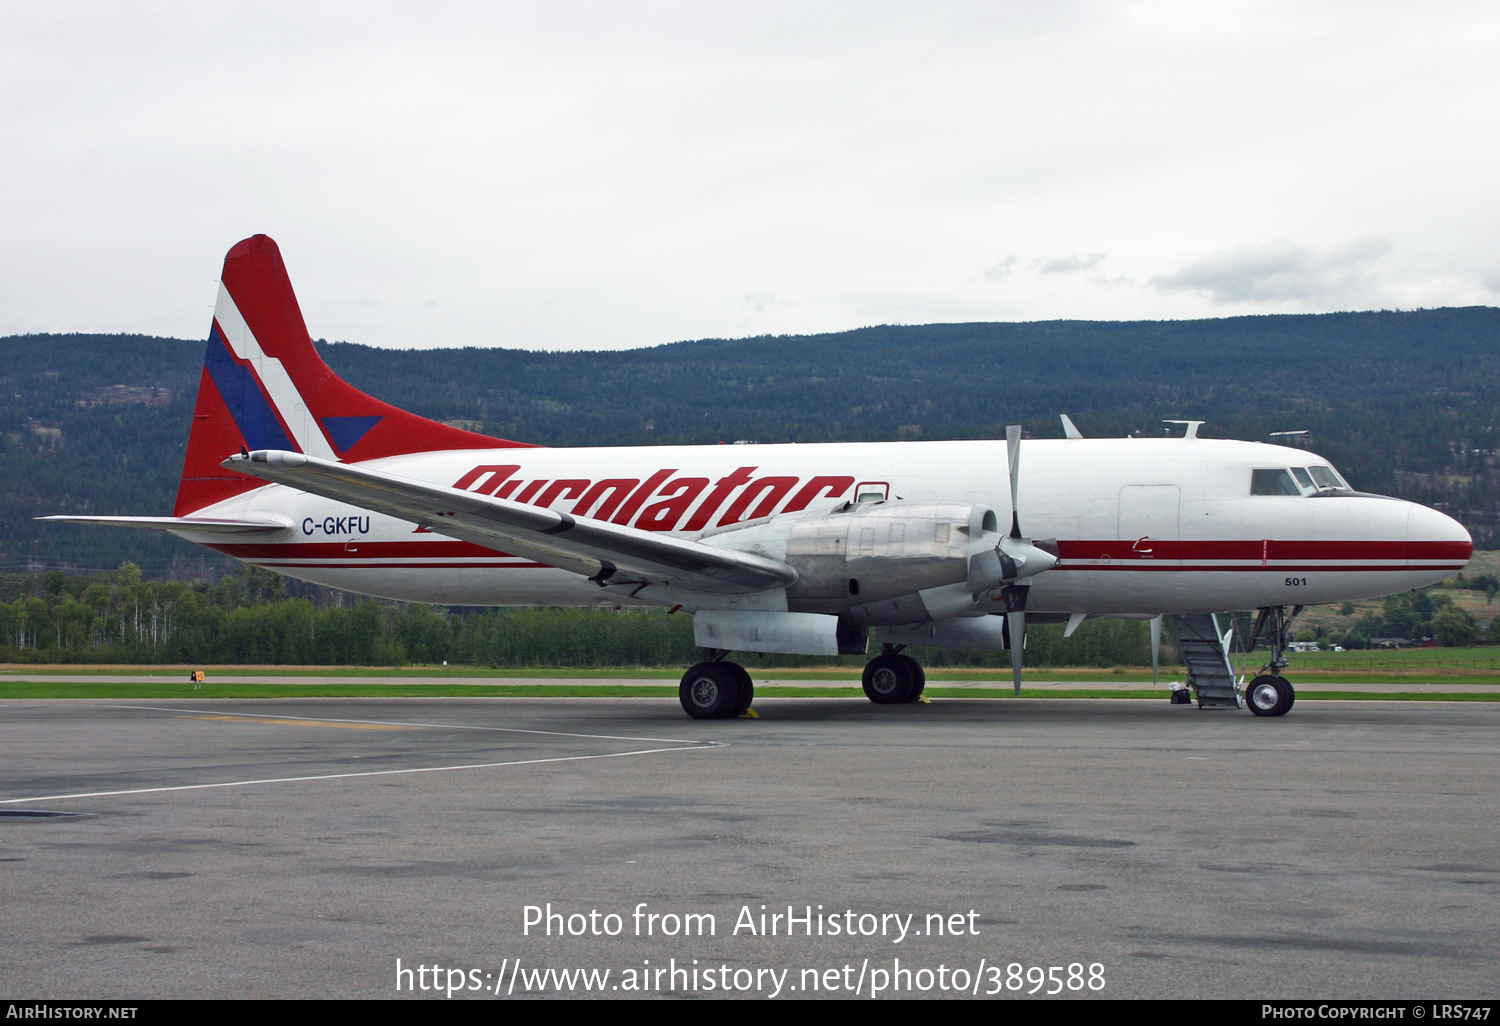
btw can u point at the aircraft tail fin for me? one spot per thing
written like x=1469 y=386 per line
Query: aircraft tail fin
x=264 y=386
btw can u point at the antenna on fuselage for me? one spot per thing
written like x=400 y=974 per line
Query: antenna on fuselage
x=1070 y=430
x=1192 y=426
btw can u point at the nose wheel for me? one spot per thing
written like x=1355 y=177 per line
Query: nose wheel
x=1270 y=695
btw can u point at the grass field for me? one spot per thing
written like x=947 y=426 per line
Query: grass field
x=1459 y=663
x=1404 y=660
x=18 y=682
x=1417 y=666
x=184 y=690
x=1428 y=665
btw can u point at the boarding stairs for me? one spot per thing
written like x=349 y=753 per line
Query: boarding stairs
x=1205 y=651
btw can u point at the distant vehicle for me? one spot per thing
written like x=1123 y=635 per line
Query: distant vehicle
x=798 y=549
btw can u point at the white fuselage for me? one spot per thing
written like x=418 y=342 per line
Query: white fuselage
x=1144 y=526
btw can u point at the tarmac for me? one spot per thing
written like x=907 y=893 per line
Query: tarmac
x=301 y=847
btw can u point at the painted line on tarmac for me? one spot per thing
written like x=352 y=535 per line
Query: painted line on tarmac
x=683 y=746
x=346 y=776
x=409 y=723
x=303 y=722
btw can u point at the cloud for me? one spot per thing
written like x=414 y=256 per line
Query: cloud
x=1001 y=271
x=1491 y=281
x=1068 y=264
x=760 y=302
x=1277 y=271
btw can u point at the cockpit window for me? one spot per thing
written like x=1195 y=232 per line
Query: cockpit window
x=1302 y=478
x=1325 y=477
x=1273 y=482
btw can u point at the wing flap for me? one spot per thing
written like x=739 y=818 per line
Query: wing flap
x=594 y=548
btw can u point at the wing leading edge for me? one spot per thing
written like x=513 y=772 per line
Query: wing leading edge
x=601 y=551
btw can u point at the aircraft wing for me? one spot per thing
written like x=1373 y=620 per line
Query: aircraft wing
x=596 y=549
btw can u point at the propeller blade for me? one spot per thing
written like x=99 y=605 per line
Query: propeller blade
x=1013 y=451
x=1015 y=626
x=1155 y=645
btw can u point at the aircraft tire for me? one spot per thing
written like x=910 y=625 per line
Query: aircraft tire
x=712 y=691
x=918 y=676
x=888 y=680
x=1270 y=695
x=747 y=687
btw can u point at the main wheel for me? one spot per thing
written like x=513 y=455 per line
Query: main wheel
x=918 y=676
x=712 y=691
x=1269 y=695
x=747 y=687
x=888 y=680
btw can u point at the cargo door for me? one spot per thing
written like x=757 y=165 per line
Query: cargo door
x=1149 y=527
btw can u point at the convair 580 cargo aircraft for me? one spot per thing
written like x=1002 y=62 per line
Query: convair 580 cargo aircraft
x=799 y=549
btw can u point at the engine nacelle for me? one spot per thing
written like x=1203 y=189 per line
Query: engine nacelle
x=907 y=561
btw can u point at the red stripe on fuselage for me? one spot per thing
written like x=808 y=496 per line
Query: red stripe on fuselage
x=1072 y=552
x=1153 y=566
x=372 y=565
x=1270 y=549
x=436 y=549
x=1133 y=566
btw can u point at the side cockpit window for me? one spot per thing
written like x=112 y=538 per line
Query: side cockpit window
x=1303 y=479
x=1273 y=482
x=1326 y=478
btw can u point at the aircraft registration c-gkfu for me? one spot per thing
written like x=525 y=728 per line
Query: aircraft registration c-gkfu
x=797 y=549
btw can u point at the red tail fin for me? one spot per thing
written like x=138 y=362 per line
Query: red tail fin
x=264 y=386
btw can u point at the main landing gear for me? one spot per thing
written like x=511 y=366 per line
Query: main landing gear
x=715 y=689
x=1271 y=694
x=892 y=678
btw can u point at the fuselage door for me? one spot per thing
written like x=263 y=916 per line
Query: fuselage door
x=1149 y=526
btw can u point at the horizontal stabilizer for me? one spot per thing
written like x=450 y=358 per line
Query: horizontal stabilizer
x=602 y=551
x=206 y=525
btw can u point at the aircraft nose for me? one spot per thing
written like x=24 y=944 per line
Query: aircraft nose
x=1434 y=538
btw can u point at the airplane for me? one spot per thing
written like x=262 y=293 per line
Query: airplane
x=796 y=549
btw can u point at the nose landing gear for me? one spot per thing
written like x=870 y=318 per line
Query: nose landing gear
x=1271 y=694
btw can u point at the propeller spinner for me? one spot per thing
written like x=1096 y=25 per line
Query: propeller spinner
x=1023 y=558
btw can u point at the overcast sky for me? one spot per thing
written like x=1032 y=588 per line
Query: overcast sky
x=601 y=175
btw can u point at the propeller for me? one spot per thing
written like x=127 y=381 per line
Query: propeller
x=1023 y=558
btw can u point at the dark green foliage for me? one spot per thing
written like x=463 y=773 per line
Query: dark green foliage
x=1415 y=616
x=1454 y=627
x=245 y=619
x=1403 y=403
x=69 y=443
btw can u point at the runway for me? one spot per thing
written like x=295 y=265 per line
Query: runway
x=298 y=848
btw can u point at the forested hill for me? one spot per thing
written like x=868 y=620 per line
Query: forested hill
x=1403 y=402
